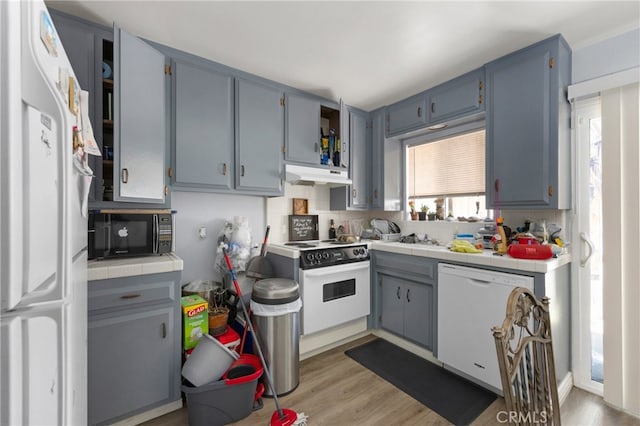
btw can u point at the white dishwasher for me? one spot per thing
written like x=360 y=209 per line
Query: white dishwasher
x=470 y=302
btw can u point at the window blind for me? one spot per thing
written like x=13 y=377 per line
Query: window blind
x=452 y=166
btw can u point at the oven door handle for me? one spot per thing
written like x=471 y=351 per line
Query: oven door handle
x=348 y=267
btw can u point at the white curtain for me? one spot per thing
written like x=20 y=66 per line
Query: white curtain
x=621 y=251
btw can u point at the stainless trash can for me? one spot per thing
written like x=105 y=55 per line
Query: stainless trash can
x=275 y=303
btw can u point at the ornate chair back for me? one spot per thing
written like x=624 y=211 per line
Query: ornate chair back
x=525 y=358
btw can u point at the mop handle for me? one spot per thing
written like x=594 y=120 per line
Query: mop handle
x=255 y=336
x=263 y=249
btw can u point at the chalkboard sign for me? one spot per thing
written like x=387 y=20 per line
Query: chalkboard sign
x=303 y=227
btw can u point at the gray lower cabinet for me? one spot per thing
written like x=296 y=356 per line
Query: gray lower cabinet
x=134 y=356
x=405 y=308
x=259 y=137
x=528 y=127
x=457 y=98
x=203 y=125
x=406 y=115
x=302 y=129
x=405 y=296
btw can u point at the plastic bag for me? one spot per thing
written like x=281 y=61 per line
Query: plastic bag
x=263 y=310
x=236 y=238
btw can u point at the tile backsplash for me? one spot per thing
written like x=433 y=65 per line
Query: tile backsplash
x=279 y=209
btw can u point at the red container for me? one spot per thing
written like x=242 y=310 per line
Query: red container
x=530 y=251
x=528 y=240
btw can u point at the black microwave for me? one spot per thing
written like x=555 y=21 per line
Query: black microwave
x=121 y=233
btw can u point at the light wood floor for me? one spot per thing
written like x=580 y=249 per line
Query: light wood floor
x=336 y=390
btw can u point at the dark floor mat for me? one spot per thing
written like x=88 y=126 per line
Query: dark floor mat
x=454 y=398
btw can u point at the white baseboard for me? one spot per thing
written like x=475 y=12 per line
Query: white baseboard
x=407 y=345
x=564 y=388
x=322 y=341
x=151 y=414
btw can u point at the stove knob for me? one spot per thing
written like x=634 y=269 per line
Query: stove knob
x=318 y=256
x=310 y=257
x=325 y=255
x=356 y=251
x=363 y=251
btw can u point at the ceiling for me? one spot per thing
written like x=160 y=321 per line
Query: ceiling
x=369 y=53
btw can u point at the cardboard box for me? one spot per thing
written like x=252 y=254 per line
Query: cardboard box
x=195 y=320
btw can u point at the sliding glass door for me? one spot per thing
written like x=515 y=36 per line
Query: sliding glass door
x=587 y=249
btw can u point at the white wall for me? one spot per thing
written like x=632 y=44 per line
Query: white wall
x=279 y=209
x=614 y=54
x=211 y=211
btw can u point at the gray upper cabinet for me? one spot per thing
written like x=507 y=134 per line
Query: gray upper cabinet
x=203 y=126
x=357 y=151
x=457 y=98
x=360 y=136
x=302 y=129
x=259 y=137
x=385 y=167
x=83 y=46
x=140 y=120
x=406 y=115
x=376 y=165
x=528 y=129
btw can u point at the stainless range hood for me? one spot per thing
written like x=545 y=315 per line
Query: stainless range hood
x=306 y=175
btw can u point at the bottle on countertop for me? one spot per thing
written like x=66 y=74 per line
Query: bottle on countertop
x=332 y=230
x=501 y=246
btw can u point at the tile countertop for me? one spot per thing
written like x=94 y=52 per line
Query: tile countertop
x=132 y=266
x=486 y=258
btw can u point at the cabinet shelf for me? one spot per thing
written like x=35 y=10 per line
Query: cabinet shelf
x=107 y=163
x=107 y=83
x=107 y=123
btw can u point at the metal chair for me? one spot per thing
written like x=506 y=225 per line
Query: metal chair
x=525 y=358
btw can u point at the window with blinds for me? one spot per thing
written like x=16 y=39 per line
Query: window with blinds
x=452 y=166
x=451 y=169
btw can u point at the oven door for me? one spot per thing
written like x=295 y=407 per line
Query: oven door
x=334 y=295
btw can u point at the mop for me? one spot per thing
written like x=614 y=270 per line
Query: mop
x=282 y=416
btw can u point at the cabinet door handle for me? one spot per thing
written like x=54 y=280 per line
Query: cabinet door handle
x=164 y=330
x=408 y=295
x=496 y=185
x=375 y=194
x=130 y=296
x=433 y=107
x=125 y=175
x=315 y=147
x=242 y=170
x=419 y=111
x=398 y=292
x=355 y=193
x=224 y=169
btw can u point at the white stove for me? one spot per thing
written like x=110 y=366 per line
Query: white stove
x=334 y=282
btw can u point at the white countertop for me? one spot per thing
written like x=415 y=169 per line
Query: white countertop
x=132 y=266
x=486 y=258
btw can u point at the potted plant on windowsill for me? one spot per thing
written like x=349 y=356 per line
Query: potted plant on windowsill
x=414 y=213
x=432 y=216
x=423 y=213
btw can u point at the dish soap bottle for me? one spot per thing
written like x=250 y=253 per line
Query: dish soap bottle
x=332 y=230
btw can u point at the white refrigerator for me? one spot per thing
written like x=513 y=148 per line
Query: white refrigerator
x=43 y=226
